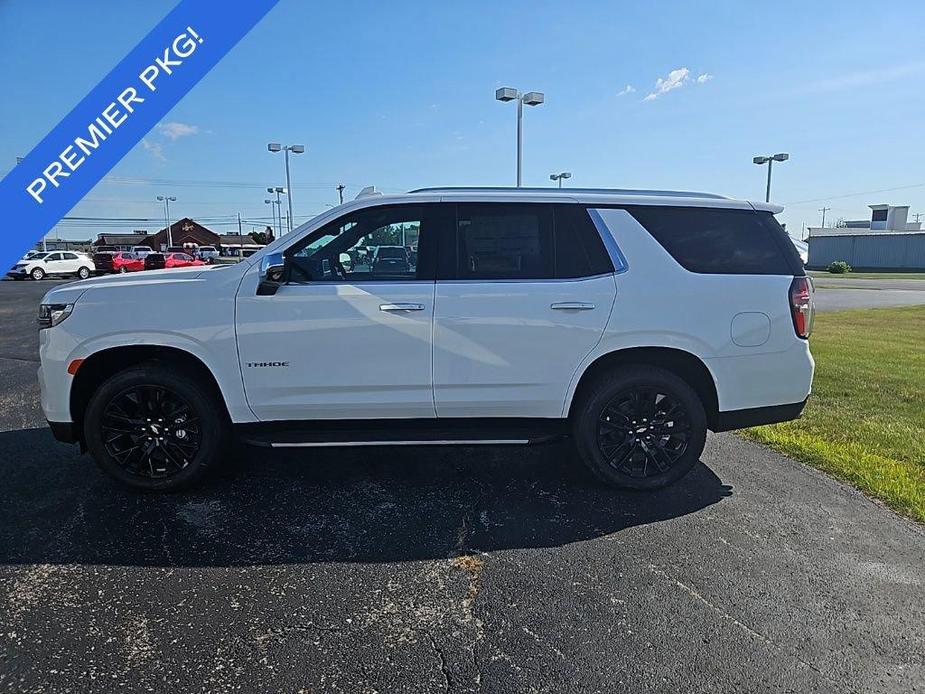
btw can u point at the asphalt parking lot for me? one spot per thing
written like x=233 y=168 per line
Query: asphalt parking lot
x=840 y=293
x=474 y=569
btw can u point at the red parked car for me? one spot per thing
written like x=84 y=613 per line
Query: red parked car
x=180 y=260
x=117 y=261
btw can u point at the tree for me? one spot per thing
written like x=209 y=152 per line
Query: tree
x=262 y=237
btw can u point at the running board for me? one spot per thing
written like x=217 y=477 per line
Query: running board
x=403 y=432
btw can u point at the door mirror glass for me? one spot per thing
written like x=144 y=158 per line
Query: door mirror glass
x=271 y=267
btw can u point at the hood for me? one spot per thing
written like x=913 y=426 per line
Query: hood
x=71 y=292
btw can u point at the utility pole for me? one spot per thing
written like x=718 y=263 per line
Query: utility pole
x=240 y=235
x=917 y=215
x=340 y=193
x=823 y=210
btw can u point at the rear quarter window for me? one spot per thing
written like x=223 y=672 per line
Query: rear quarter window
x=721 y=241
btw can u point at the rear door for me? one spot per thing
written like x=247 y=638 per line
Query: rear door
x=524 y=292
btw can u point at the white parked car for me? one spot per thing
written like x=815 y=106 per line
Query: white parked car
x=207 y=253
x=54 y=264
x=142 y=251
x=630 y=321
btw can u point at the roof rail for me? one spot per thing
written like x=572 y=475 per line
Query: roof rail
x=572 y=191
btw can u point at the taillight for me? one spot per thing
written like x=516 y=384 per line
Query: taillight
x=801 y=306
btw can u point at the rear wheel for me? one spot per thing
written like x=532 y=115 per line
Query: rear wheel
x=37 y=273
x=155 y=428
x=83 y=273
x=640 y=427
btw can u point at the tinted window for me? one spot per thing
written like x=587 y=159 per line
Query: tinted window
x=719 y=241
x=579 y=249
x=501 y=241
x=878 y=215
x=367 y=245
x=53 y=256
x=70 y=256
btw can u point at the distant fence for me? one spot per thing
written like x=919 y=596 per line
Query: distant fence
x=882 y=251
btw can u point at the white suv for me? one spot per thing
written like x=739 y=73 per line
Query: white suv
x=631 y=321
x=54 y=264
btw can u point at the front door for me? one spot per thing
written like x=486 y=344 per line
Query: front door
x=345 y=337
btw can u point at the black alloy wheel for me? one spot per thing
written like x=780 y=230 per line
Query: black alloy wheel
x=639 y=426
x=156 y=426
x=151 y=431
x=643 y=432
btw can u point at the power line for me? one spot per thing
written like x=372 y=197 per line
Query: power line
x=854 y=195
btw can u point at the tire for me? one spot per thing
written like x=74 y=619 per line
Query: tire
x=166 y=452
x=37 y=274
x=83 y=273
x=625 y=448
x=122 y=270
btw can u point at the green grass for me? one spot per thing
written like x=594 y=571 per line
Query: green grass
x=865 y=422
x=821 y=274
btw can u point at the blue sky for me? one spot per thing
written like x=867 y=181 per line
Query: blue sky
x=400 y=95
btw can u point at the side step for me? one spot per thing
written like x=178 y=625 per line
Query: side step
x=402 y=432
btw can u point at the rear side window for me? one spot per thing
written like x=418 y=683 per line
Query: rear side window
x=501 y=241
x=720 y=241
x=579 y=249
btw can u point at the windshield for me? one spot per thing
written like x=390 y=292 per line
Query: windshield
x=391 y=252
x=37 y=256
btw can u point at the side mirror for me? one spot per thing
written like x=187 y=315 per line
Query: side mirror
x=272 y=267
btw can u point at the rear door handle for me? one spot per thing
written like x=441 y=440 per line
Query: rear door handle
x=401 y=307
x=571 y=306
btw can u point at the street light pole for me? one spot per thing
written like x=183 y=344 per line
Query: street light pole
x=769 y=160
x=295 y=149
x=340 y=192
x=530 y=99
x=559 y=176
x=167 y=199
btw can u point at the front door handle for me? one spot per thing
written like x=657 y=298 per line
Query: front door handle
x=571 y=306
x=401 y=307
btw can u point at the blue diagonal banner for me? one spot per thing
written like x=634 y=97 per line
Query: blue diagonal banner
x=116 y=114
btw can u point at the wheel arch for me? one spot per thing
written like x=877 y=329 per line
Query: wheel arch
x=680 y=362
x=101 y=365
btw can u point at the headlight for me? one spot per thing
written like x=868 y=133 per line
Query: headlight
x=52 y=314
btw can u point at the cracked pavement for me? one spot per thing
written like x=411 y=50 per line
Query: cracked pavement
x=451 y=569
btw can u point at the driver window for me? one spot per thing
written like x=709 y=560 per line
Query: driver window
x=375 y=244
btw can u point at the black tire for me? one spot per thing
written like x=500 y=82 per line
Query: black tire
x=625 y=448
x=83 y=273
x=168 y=452
x=122 y=270
x=37 y=274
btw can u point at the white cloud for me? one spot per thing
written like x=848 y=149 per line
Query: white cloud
x=675 y=80
x=628 y=89
x=175 y=130
x=154 y=149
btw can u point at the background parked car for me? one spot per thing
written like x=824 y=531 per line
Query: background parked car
x=207 y=253
x=122 y=261
x=142 y=251
x=156 y=261
x=54 y=263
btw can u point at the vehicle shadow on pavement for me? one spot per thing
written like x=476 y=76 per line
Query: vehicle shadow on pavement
x=328 y=505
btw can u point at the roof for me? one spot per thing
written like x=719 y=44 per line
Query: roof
x=592 y=196
x=119 y=239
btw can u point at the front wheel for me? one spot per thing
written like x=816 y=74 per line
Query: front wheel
x=37 y=273
x=640 y=427
x=155 y=428
x=123 y=270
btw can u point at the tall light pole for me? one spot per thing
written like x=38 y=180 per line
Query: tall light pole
x=167 y=199
x=530 y=99
x=559 y=177
x=279 y=205
x=340 y=192
x=295 y=149
x=769 y=160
